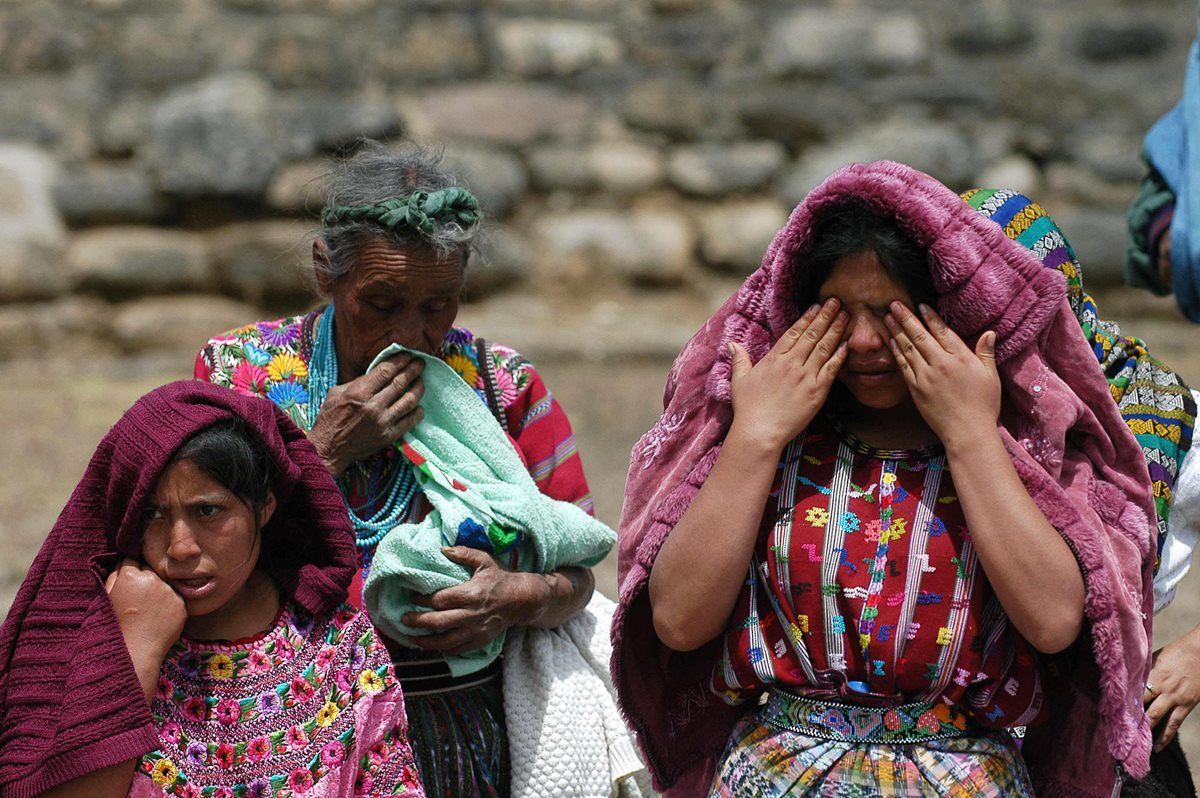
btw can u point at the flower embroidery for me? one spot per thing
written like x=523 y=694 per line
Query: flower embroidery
x=286 y=367
x=249 y=378
x=194 y=708
x=370 y=682
x=197 y=754
x=333 y=754
x=228 y=711
x=466 y=369
x=165 y=772
x=327 y=714
x=300 y=781
x=278 y=335
x=287 y=394
x=260 y=788
x=258 y=749
x=221 y=666
x=226 y=756
x=269 y=703
x=301 y=689
x=817 y=516
x=296 y=737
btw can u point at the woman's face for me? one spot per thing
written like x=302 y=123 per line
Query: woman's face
x=866 y=289
x=201 y=539
x=407 y=296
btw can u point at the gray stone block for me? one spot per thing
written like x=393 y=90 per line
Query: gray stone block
x=937 y=148
x=505 y=113
x=176 y=323
x=639 y=247
x=1102 y=41
x=309 y=52
x=555 y=167
x=89 y=194
x=1098 y=237
x=734 y=235
x=678 y=105
x=410 y=48
x=822 y=41
x=504 y=262
x=979 y=28
x=495 y=176
x=264 y=263
x=125 y=261
x=159 y=50
x=617 y=166
x=537 y=47
x=714 y=169
x=27 y=211
x=217 y=137
x=314 y=122
x=297 y=187
x=70 y=328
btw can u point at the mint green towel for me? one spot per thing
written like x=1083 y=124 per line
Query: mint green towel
x=482 y=497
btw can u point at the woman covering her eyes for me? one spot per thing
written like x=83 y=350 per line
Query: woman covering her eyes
x=890 y=510
x=182 y=630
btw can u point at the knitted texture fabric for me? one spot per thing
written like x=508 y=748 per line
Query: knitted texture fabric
x=1155 y=402
x=482 y=497
x=1064 y=434
x=70 y=702
x=566 y=737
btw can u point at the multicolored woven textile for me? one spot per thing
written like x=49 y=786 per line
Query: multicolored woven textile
x=311 y=707
x=1154 y=400
x=763 y=761
x=853 y=723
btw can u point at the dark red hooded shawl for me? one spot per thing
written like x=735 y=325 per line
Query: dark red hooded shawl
x=70 y=702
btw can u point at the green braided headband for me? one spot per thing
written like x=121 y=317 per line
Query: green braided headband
x=419 y=210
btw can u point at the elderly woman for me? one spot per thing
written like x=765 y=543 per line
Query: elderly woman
x=390 y=257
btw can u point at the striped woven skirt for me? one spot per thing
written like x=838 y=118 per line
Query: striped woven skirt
x=765 y=760
x=460 y=741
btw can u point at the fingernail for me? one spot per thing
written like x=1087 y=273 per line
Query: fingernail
x=729 y=347
x=816 y=306
x=923 y=308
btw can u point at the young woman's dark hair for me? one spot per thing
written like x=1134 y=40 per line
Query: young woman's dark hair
x=230 y=454
x=851 y=228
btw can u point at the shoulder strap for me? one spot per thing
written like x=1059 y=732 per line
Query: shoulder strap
x=483 y=354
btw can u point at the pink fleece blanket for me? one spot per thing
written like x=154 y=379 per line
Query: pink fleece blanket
x=1064 y=433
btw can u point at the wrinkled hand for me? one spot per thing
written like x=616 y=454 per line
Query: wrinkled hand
x=369 y=413
x=777 y=397
x=151 y=614
x=467 y=617
x=1175 y=676
x=1163 y=257
x=957 y=390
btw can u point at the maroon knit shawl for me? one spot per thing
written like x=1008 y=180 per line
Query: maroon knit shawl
x=1062 y=429
x=70 y=702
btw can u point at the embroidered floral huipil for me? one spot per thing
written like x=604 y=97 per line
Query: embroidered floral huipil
x=866 y=558
x=309 y=708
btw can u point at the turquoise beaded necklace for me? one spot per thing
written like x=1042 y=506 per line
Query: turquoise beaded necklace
x=401 y=485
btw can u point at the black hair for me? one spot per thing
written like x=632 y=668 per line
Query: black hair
x=233 y=456
x=851 y=228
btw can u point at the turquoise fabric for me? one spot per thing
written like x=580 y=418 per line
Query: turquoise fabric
x=483 y=497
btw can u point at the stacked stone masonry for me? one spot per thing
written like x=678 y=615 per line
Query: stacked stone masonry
x=160 y=160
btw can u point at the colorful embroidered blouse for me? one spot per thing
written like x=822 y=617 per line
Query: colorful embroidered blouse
x=271 y=359
x=866 y=557
x=310 y=707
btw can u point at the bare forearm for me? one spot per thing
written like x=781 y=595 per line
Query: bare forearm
x=701 y=567
x=1029 y=565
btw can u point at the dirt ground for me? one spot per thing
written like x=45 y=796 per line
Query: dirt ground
x=55 y=413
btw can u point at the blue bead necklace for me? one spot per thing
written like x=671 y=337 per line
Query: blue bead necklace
x=401 y=485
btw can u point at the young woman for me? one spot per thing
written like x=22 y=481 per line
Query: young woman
x=181 y=631
x=867 y=534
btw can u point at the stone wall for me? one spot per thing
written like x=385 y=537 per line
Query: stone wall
x=159 y=159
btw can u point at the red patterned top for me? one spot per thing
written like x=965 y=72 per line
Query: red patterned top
x=865 y=573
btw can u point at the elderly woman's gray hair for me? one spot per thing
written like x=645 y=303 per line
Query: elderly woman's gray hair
x=402 y=196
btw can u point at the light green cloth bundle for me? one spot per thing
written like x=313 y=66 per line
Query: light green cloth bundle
x=483 y=497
